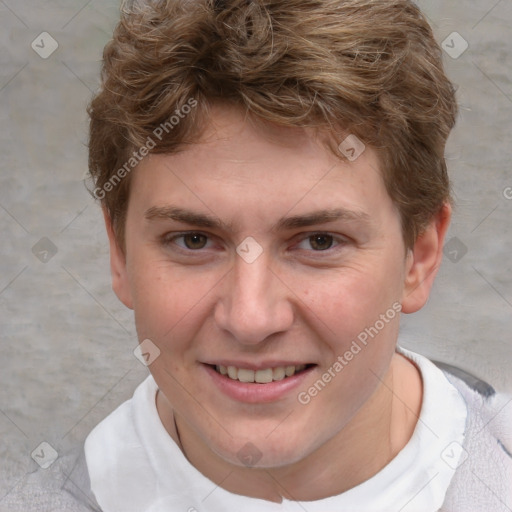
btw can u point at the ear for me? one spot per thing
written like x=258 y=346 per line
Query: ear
x=424 y=260
x=120 y=281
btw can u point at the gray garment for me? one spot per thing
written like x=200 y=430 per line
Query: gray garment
x=63 y=487
x=480 y=484
x=483 y=482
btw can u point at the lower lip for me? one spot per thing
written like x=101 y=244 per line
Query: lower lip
x=252 y=392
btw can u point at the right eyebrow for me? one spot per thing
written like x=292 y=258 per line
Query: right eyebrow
x=186 y=217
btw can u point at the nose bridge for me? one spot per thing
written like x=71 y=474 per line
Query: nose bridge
x=251 y=284
x=254 y=304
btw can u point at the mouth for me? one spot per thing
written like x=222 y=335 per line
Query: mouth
x=262 y=376
x=265 y=383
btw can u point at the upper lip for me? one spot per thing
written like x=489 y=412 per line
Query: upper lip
x=263 y=365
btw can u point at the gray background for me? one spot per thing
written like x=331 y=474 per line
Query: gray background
x=67 y=343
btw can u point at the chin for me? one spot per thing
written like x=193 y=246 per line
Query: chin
x=261 y=452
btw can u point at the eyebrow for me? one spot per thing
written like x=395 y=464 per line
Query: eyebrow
x=321 y=217
x=285 y=223
x=185 y=216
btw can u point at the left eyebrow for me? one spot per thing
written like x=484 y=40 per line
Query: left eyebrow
x=321 y=217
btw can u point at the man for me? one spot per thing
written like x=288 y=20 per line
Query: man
x=275 y=193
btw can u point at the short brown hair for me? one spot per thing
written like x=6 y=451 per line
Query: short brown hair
x=371 y=68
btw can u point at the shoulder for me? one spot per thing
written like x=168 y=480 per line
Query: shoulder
x=483 y=476
x=66 y=484
x=488 y=410
x=62 y=486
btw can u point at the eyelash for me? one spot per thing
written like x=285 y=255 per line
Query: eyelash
x=338 y=241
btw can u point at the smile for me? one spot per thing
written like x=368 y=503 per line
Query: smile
x=264 y=376
x=260 y=384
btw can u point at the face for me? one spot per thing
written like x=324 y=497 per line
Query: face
x=258 y=252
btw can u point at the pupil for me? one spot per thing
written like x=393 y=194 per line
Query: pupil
x=321 y=242
x=195 y=241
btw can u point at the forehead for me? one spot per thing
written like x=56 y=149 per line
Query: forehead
x=243 y=166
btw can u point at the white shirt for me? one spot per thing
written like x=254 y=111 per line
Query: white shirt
x=135 y=466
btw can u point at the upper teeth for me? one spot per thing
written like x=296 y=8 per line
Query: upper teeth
x=260 y=376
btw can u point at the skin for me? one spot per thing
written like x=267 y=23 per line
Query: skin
x=294 y=302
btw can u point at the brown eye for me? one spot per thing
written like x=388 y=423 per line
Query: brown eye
x=321 y=242
x=195 y=241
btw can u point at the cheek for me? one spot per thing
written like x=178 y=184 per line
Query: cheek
x=356 y=315
x=357 y=319
x=168 y=300
x=344 y=303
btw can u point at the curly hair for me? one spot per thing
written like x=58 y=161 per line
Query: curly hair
x=371 y=68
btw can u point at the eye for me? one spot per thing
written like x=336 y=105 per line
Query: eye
x=195 y=241
x=191 y=241
x=318 y=242
x=321 y=242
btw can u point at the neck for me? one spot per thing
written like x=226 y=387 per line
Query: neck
x=373 y=437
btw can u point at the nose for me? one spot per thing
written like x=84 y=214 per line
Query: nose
x=254 y=303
